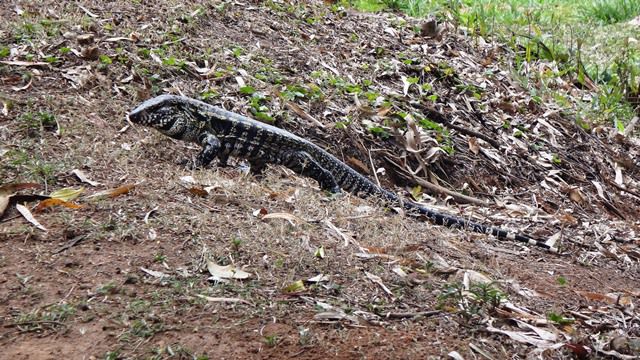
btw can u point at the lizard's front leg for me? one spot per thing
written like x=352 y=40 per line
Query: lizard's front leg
x=210 y=148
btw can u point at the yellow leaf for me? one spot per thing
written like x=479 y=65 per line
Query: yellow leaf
x=294 y=287
x=67 y=194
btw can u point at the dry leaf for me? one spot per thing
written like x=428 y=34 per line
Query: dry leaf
x=156 y=274
x=474 y=146
x=225 y=272
x=223 y=299
x=24 y=63
x=576 y=196
x=124 y=189
x=84 y=178
x=27 y=215
x=198 y=191
x=289 y=217
x=376 y=279
x=318 y=278
x=66 y=194
x=55 y=202
x=8 y=190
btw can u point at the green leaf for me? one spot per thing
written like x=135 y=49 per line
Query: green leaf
x=104 y=59
x=247 y=90
x=294 y=287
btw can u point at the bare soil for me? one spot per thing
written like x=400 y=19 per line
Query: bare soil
x=125 y=276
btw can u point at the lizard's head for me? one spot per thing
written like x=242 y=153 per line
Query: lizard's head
x=161 y=112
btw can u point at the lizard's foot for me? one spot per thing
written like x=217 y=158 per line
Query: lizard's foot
x=335 y=193
x=190 y=164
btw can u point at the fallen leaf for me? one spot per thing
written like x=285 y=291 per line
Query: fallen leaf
x=156 y=274
x=292 y=219
x=473 y=145
x=224 y=299
x=225 y=272
x=576 y=196
x=66 y=194
x=84 y=178
x=24 y=63
x=198 y=191
x=294 y=287
x=27 y=215
x=376 y=279
x=112 y=192
x=318 y=278
x=55 y=202
x=335 y=315
x=8 y=190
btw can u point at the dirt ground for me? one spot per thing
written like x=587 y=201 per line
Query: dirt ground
x=130 y=273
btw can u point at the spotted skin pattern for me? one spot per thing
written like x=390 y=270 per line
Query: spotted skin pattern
x=225 y=134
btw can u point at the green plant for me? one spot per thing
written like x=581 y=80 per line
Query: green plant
x=271 y=340
x=609 y=11
x=559 y=319
x=4 y=52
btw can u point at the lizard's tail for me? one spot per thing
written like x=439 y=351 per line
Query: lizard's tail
x=352 y=181
x=455 y=222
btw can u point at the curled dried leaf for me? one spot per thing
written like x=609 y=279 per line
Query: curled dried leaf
x=29 y=216
x=121 y=190
x=47 y=203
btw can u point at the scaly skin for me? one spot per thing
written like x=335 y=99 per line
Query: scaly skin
x=223 y=134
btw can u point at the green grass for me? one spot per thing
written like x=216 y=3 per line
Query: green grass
x=611 y=11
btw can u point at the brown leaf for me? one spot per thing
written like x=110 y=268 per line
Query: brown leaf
x=576 y=196
x=8 y=190
x=198 y=191
x=358 y=165
x=55 y=202
x=121 y=190
x=473 y=145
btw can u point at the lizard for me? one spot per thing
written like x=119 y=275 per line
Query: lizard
x=225 y=134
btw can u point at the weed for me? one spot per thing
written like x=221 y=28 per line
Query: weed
x=480 y=298
x=271 y=340
x=109 y=288
x=235 y=243
x=609 y=11
x=559 y=319
x=561 y=280
x=159 y=258
x=4 y=52
x=51 y=317
x=112 y=355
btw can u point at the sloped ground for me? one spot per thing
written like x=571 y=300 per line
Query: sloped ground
x=372 y=90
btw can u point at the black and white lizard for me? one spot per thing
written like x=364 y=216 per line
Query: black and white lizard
x=223 y=134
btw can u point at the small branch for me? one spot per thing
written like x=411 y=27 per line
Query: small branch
x=412 y=315
x=460 y=198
